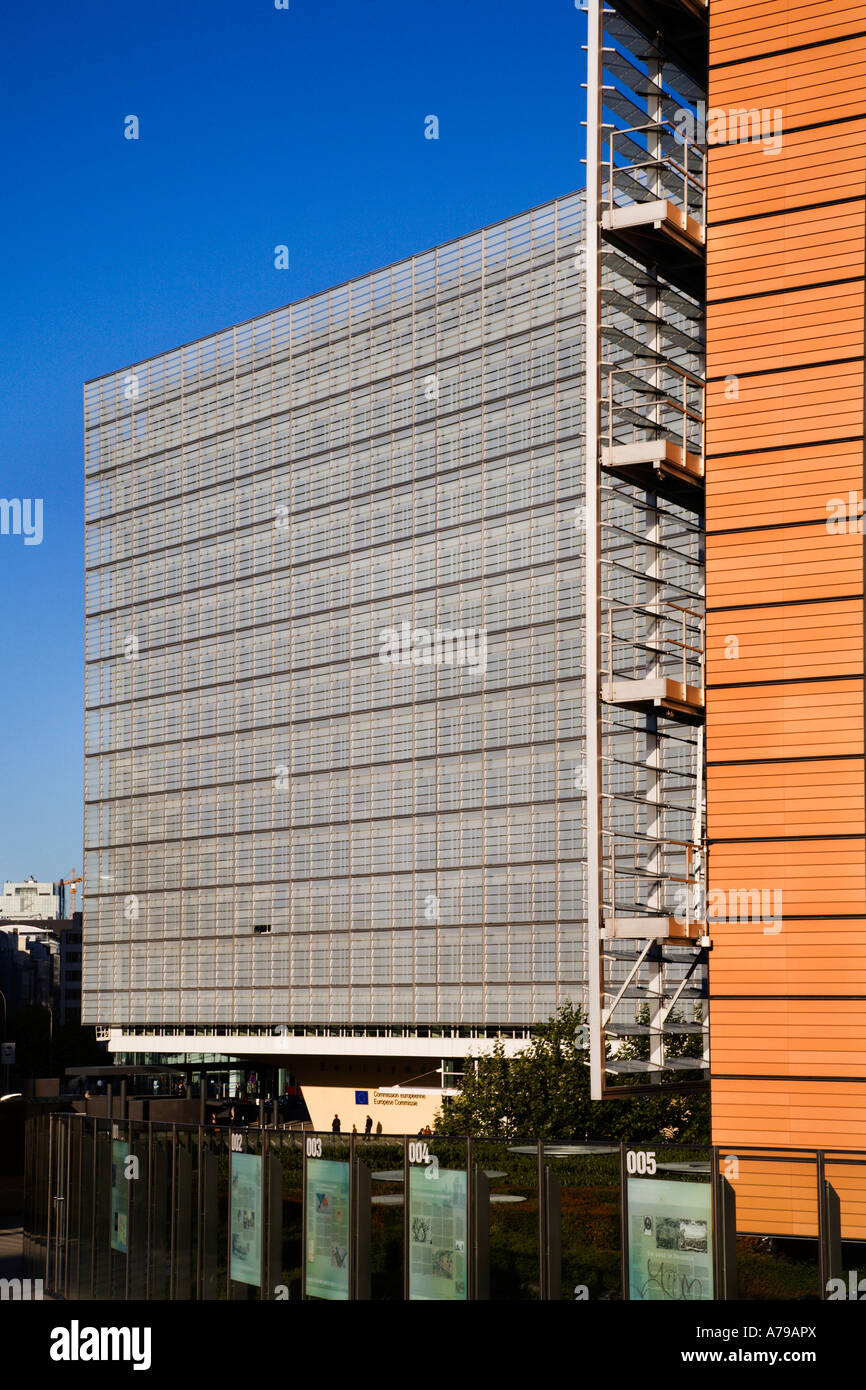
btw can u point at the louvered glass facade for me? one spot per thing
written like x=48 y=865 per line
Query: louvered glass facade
x=334 y=653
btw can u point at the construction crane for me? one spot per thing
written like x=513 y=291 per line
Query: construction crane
x=61 y=886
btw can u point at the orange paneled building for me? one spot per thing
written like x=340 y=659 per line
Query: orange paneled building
x=786 y=231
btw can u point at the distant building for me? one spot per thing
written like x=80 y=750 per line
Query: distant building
x=27 y=965
x=69 y=933
x=28 y=902
x=353 y=653
x=41 y=965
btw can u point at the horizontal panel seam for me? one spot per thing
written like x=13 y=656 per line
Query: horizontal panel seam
x=784 y=52
x=788 y=289
x=783 y=212
x=782 y=603
x=783 y=448
x=796 y=367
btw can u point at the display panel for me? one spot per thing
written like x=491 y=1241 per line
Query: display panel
x=119 y=1196
x=437 y=1233
x=670 y=1240
x=246 y=1219
x=326 y=1257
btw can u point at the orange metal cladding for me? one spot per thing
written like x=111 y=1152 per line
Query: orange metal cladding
x=785 y=593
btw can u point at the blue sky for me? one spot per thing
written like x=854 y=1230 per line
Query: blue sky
x=258 y=127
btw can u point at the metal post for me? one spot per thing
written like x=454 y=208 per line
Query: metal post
x=265 y=1219
x=353 y=1200
x=716 y=1210
x=229 y=1225
x=724 y=1209
x=471 y=1253
x=623 y=1206
x=303 y=1214
x=48 y=1223
x=67 y=1202
x=655 y=637
x=209 y=1232
x=361 y=1233
x=542 y=1225
x=829 y=1229
x=406 y=1246
x=110 y=1255
x=592 y=648
x=81 y=1126
x=199 y=1287
x=130 y=1232
x=147 y=1256
x=823 y=1273
x=172 y=1237
x=93 y=1209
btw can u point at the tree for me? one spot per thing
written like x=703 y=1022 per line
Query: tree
x=543 y=1093
x=688 y=1115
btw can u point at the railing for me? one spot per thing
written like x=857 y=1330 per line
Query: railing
x=646 y=175
x=657 y=655
x=687 y=428
x=124 y=1210
x=689 y=886
x=696 y=648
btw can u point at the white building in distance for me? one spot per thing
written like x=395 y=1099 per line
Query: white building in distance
x=28 y=902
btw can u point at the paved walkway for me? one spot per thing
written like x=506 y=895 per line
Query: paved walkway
x=12 y=1258
x=11 y=1253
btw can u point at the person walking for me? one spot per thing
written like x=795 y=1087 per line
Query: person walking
x=335 y=1125
x=368 y=1126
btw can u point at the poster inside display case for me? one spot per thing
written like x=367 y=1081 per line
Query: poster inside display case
x=437 y=1233
x=326 y=1257
x=670 y=1240
x=246 y=1219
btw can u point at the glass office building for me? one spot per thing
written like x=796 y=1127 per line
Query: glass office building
x=335 y=708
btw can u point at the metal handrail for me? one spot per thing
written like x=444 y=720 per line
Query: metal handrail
x=690 y=180
x=665 y=399
x=669 y=363
x=701 y=650
x=660 y=648
x=690 y=878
